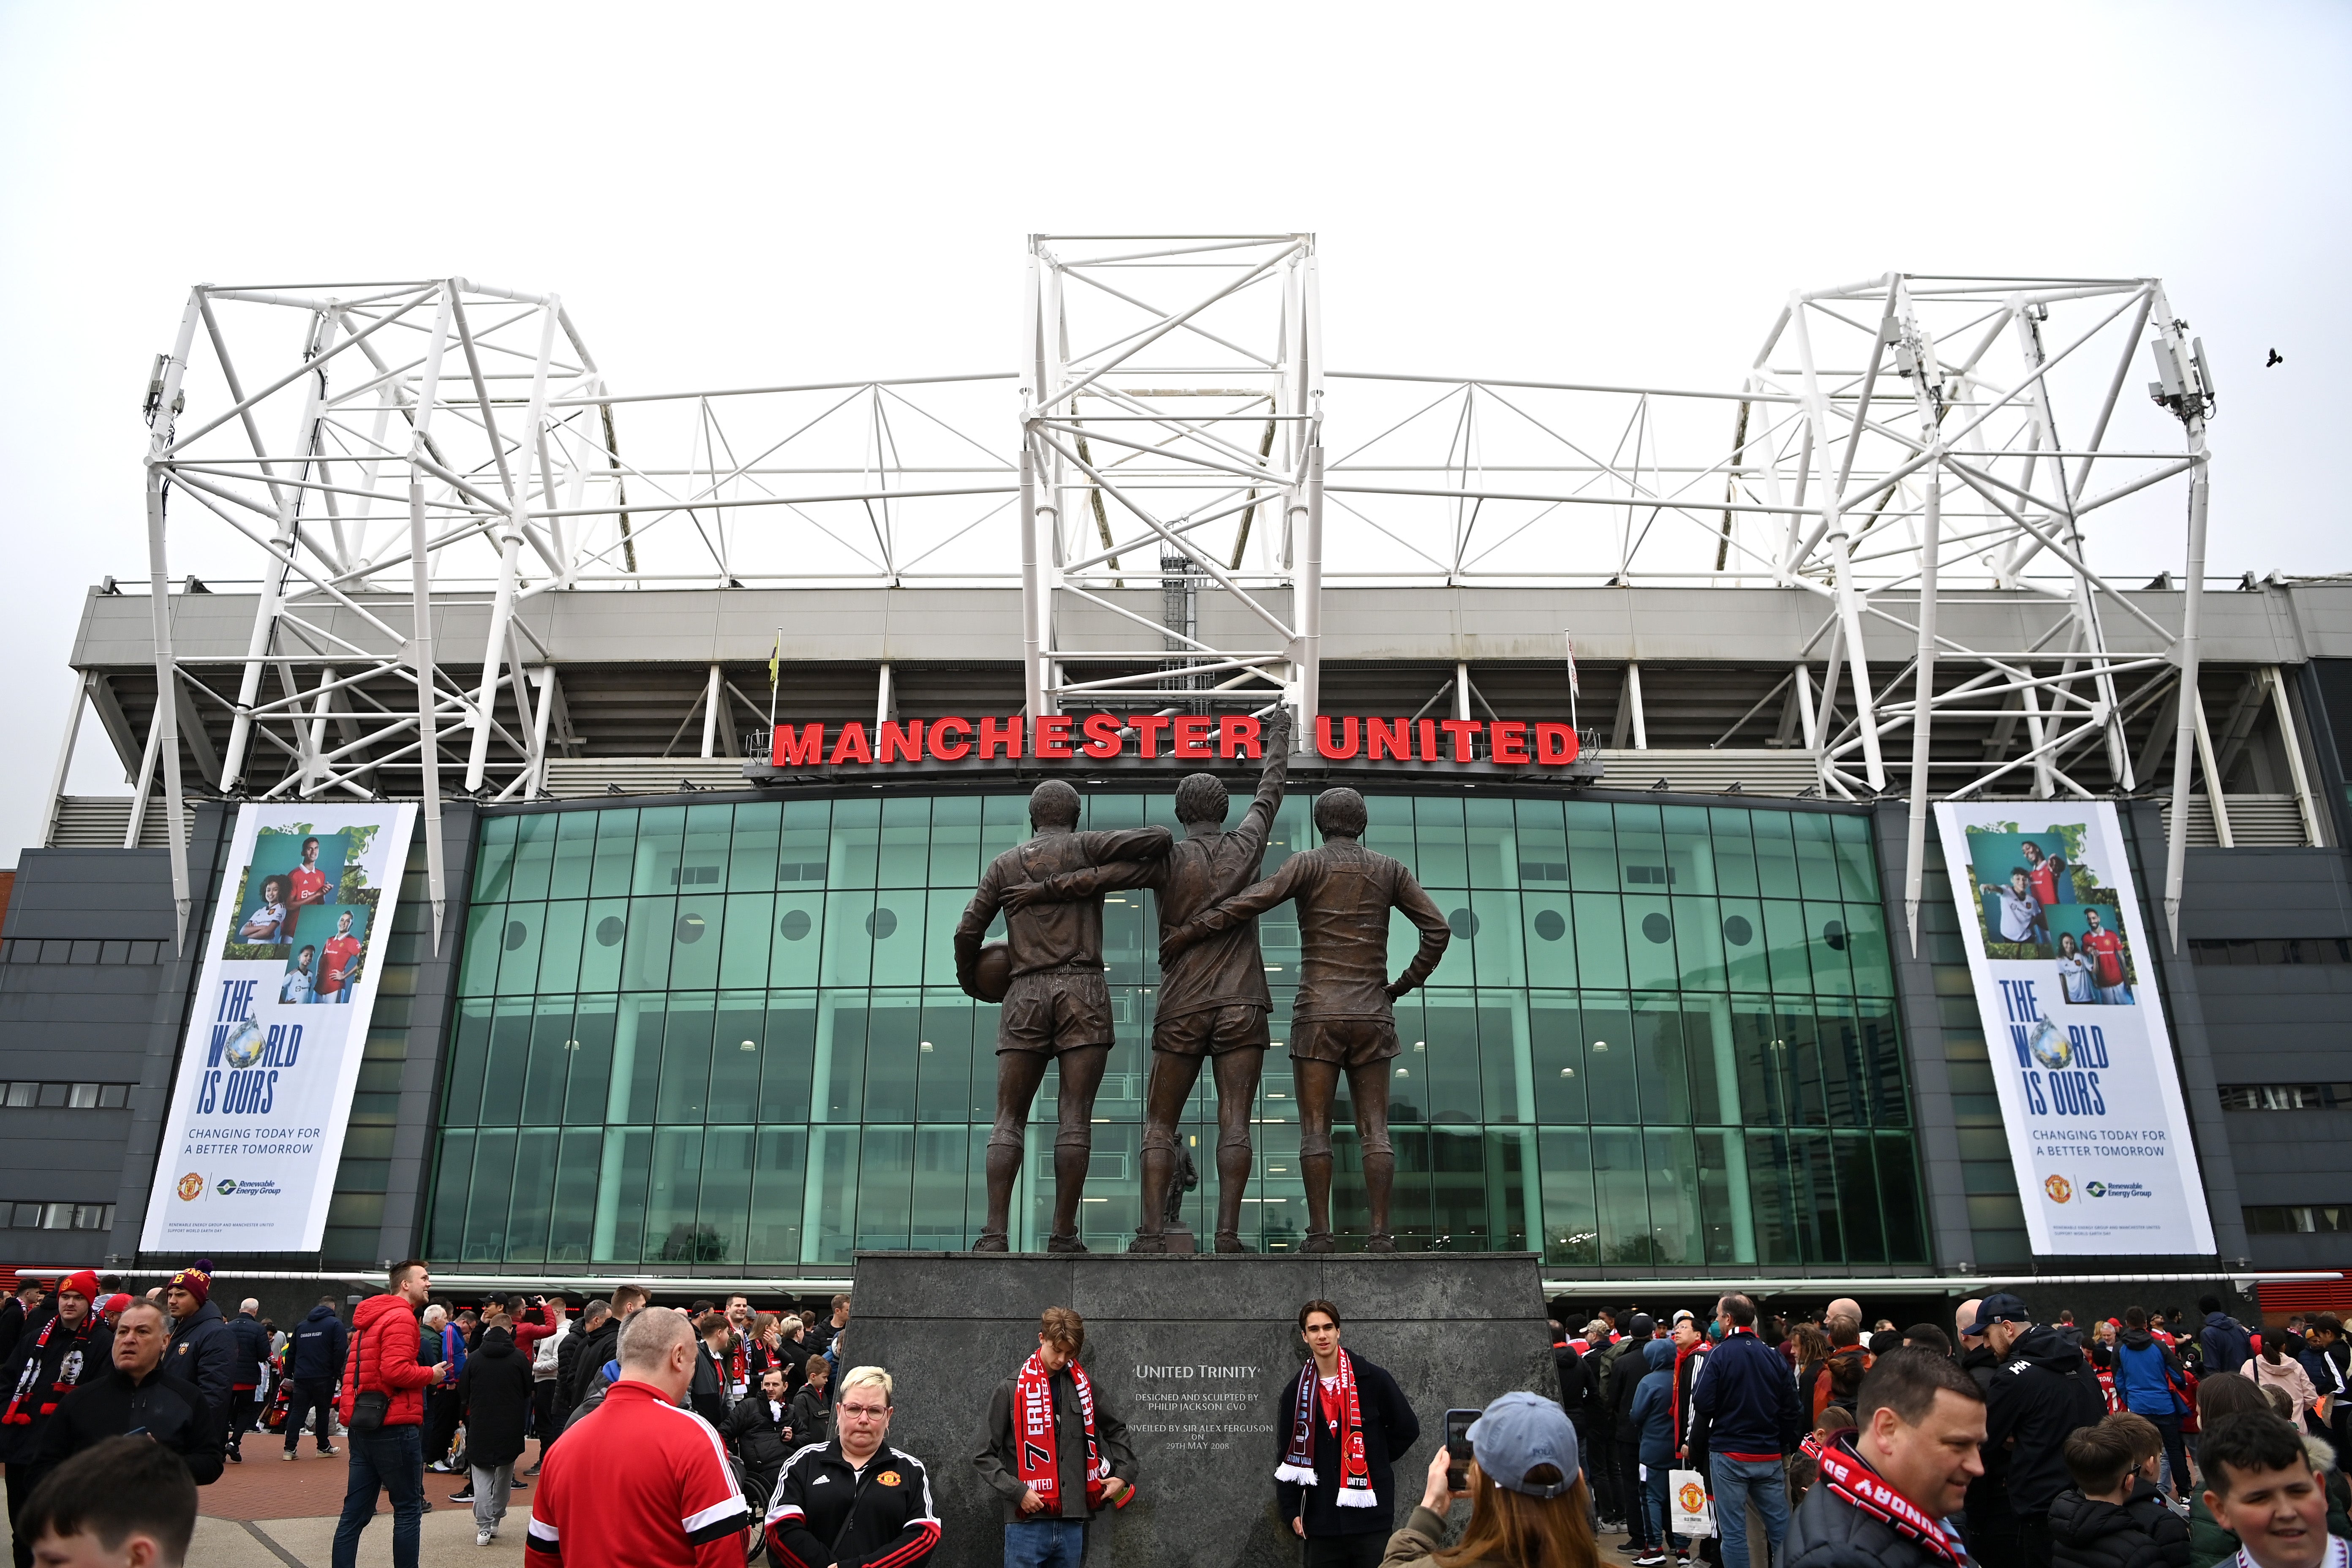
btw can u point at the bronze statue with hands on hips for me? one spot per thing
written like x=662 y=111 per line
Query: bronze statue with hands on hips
x=1344 y=1019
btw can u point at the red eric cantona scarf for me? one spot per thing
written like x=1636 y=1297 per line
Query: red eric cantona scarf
x=1854 y=1482
x=1040 y=1465
x=1345 y=1412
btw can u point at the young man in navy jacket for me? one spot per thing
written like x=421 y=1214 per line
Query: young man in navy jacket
x=1342 y=1526
x=1752 y=1421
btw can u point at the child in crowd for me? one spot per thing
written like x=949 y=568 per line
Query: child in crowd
x=1803 y=1469
x=2094 y=1525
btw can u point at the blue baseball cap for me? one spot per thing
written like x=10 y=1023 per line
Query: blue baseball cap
x=2000 y=1307
x=1518 y=1432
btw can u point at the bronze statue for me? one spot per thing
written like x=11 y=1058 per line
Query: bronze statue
x=1057 y=1005
x=1343 y=1019
x=1213 y=999
x=1180 y=1180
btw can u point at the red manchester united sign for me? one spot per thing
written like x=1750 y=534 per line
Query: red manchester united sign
x=1098 y=737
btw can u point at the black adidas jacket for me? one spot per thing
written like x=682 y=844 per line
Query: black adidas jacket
x=823 y=1512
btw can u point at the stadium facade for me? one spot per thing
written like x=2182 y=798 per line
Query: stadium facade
x=689 y=1024
x=663 y=998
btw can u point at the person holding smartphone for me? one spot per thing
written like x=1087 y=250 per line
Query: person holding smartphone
x=1339 y=1426
x=1523 y=1475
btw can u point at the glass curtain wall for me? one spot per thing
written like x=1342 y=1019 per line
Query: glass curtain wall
x=711 y=1037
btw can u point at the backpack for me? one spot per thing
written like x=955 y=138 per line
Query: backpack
x=1839 y=1381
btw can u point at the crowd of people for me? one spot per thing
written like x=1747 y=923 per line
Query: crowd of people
x=713 y=1436
x=407 y=1385
x=2137 y=1441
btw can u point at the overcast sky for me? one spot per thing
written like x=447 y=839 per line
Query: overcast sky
x=736 y=196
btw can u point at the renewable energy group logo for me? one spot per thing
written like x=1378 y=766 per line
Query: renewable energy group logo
x=2059 y=1188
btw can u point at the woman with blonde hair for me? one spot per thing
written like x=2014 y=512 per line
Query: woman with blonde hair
x=1528 y=1506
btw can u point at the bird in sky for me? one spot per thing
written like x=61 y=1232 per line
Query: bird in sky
x=2276 y=358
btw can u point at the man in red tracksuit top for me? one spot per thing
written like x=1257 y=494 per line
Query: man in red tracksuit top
x=2106 y=951
x=310 y=881
x=383 y=1359
x=638 y=1482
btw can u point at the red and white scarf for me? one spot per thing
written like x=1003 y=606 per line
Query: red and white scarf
x=1039 y=1457
x=1346 y=1414
x=1845 y=1474
x=69 y=1370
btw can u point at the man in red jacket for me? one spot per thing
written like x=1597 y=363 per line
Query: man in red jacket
x=391 y=1457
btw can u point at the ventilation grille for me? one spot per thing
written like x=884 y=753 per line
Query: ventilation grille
x=2255 y=821
x=575 y=778
x=99 y=821
x=1756 y=772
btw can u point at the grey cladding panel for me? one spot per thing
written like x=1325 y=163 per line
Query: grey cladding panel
x=1767 y=625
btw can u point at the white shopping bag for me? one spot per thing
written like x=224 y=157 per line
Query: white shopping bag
x=1692 y=1511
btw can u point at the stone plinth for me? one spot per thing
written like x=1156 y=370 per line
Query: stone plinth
x=1193 y=1354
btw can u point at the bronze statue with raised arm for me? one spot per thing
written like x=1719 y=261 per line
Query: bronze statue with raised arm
x=1344 y=1019
x=1057 y=1005
x=1213 y=1000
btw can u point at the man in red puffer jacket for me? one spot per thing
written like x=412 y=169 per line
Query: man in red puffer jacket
x=383 y=1359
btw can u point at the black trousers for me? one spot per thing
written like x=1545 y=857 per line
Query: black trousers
x=307 y=1398
x=441 y=1413
x=542 y=1412
x=1629 y=1490
x=1363 y=1550
x=22 y=1480
x=2034 y=1539
x=2176 y=1453
x=1993 y=1541
x=241 y=1408
x=1597 y=1479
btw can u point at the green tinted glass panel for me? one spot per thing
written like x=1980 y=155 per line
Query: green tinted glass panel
x=575 y=855
x=708 y=1036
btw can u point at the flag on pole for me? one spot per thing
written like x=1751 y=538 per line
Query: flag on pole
x=775 y=676
x=1572 y=687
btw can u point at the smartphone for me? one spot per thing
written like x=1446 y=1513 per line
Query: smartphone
x=1457 y=1448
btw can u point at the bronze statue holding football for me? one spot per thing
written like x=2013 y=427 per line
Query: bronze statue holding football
x=1056 y=1003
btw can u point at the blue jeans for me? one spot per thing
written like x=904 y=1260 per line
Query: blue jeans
x=1655 y=1506
x=390 y=1458
x=1737 y=1482
x=1044 y=1544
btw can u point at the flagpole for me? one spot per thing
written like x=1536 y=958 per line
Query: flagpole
x=1571 y=683
x=775 y=669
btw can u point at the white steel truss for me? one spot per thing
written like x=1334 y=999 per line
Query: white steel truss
x=441 y=443
x=1172 y=418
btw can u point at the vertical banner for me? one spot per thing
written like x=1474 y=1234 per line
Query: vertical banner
x=2065 y=985
x=264 y=1096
